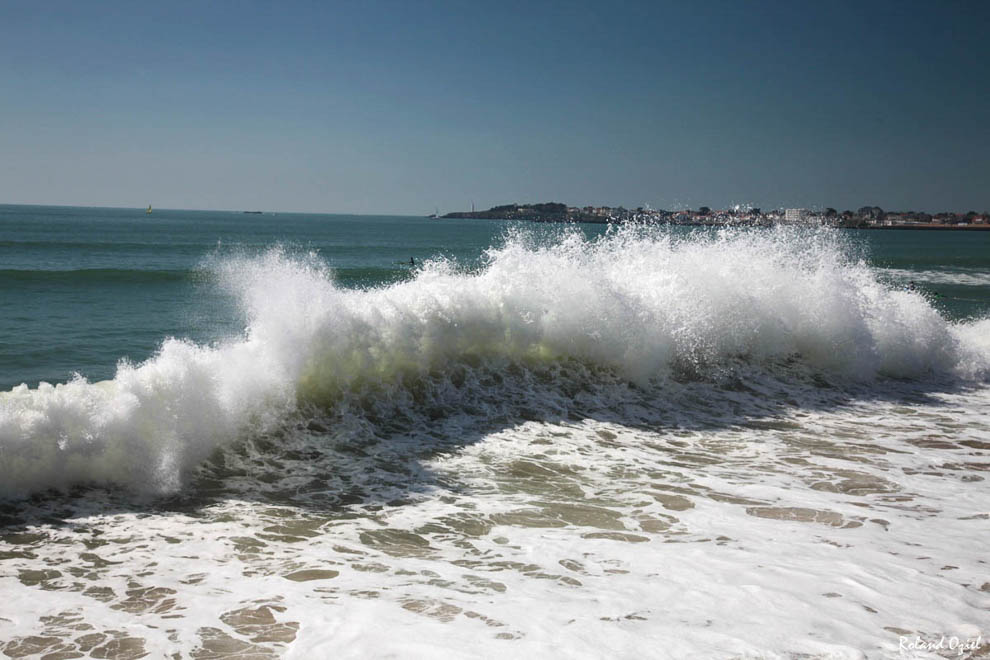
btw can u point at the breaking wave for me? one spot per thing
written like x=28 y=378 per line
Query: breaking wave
x=640 y=304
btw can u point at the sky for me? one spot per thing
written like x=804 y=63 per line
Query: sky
x=405 y=107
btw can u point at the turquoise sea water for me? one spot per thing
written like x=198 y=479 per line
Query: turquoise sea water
x=85 y=287
x=538 y=441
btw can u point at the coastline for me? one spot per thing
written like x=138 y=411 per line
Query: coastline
x=865 y=218
x=711 y=223
x=928 y=227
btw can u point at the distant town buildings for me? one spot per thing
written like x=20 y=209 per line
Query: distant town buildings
x=866 y=217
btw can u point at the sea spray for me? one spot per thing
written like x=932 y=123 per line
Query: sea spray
x=639 y=303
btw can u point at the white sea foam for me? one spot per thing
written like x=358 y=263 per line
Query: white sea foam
x=954 y=276
x=707 y=525
x=639 y=303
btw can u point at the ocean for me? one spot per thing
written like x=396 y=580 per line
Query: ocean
x=243 y=435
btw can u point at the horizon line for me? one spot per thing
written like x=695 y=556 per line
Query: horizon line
x=416 y=215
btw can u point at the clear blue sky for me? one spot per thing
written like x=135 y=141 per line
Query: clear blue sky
x=401 y=107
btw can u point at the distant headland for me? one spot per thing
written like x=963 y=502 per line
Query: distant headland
x=867 y=217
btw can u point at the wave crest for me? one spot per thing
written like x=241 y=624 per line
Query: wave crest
x=639 y=302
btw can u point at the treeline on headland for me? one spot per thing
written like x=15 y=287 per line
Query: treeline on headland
x=869 y=217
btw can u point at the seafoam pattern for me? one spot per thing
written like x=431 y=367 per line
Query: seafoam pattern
x=681 y=519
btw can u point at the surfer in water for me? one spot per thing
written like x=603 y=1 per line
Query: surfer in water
x=412 y=262
x=913 y=287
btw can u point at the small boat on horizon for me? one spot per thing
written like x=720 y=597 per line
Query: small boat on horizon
x=148 y=212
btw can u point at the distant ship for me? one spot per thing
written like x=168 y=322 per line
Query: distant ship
x=148 y=212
